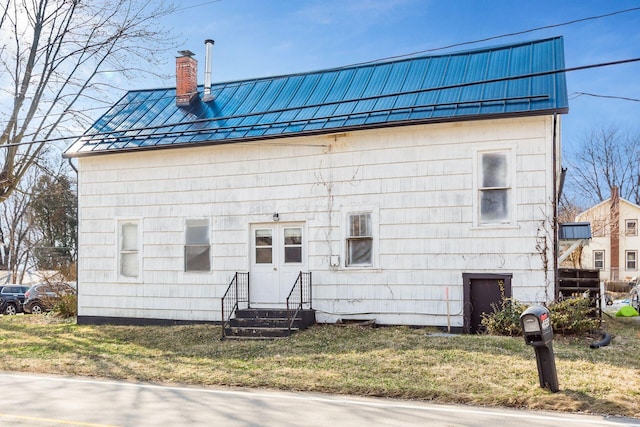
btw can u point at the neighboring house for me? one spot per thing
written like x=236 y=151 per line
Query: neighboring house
x=416 y=191
x=572 y=238
x=614 y=245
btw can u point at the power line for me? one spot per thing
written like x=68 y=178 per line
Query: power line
x=198 y=5
x=578 y=94
x=517 y=33
x=374 y=97
x=606 y=15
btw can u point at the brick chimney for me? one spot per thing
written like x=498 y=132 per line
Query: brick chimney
x=614 y=236
x=186 y=78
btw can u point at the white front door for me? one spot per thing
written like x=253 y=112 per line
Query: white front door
x=278 y=254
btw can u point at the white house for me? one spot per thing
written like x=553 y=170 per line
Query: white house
x=614 y=245
x=414 y=191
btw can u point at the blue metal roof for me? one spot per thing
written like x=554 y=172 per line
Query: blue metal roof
x=517 y=79
x=575 y=231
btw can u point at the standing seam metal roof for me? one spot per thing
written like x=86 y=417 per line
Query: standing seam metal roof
x=517 y=79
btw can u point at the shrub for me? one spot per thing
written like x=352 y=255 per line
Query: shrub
x=573 y=316
x=66 y=306
x=505 y=319
x=570 y=316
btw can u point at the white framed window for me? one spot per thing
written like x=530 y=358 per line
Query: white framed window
x=359 y=241
x=263 y=246
x=292 y=238
x=197 y=245
x=631 y=258
x=598 y=260
x=494 y=187
x=631 y=227
x=129 y=244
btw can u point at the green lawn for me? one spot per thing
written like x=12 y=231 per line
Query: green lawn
x=390 y=361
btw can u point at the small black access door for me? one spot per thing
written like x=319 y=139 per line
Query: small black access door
x=480 y=291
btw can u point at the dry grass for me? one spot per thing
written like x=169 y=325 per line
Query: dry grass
x=394 y=362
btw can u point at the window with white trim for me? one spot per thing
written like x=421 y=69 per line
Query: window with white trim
x=197 y=247
x=631 y=260
x=598 y=260
x=494 y=188
x=631 y=227
x=128 y=249
x=292 y=245
x=264 y=245
x=359 y=240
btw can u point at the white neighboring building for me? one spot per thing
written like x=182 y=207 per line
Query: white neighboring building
x=415 y=191
x=615 y=242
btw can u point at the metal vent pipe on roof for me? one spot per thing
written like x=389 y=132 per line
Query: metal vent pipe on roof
x=207 y=71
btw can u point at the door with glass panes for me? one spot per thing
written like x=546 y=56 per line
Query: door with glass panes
x=278 y=254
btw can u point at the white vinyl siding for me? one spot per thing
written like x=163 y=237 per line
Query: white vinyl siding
x=419 y=184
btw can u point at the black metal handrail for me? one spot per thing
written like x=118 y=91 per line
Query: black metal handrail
x=299 y=296
x=237 y=292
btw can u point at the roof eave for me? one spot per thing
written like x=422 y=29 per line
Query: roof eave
x=326 y=131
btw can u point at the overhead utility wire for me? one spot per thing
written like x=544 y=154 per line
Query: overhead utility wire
x=595 y=95
x=213 y=119
x=438 y=48
x=198 y=5
x=517 y=33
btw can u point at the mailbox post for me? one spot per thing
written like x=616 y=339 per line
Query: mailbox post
x=538 y=332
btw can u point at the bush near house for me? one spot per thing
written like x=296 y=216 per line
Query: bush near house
x=66 y=306
x=569 y=316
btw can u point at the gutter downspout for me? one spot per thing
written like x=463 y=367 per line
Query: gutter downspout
x=556 y=196
x=77 y=233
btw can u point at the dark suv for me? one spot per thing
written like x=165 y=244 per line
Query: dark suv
x=12 y=298
x=42 y=297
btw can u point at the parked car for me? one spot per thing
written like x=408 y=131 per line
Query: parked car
x=12 y=298
x=43 y=297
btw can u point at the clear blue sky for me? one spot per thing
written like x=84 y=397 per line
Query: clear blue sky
x=255 y=38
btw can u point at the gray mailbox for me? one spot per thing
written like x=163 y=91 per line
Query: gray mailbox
x=536 y=324
x=538 y=332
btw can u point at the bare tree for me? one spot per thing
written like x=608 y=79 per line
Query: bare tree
x=17 y=233
x=55 y=57
x=606 y=158
x=568 y=209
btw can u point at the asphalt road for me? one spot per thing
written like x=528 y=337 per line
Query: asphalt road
x=38 y=400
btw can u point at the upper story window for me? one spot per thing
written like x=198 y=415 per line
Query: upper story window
x=359 y=240
x=197 y=245
x=631 y=260
x=598 y=260
x=631 y=227
x=494 y=188
x=128 y=249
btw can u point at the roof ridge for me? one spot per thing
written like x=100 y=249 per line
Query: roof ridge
x=371 y=63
